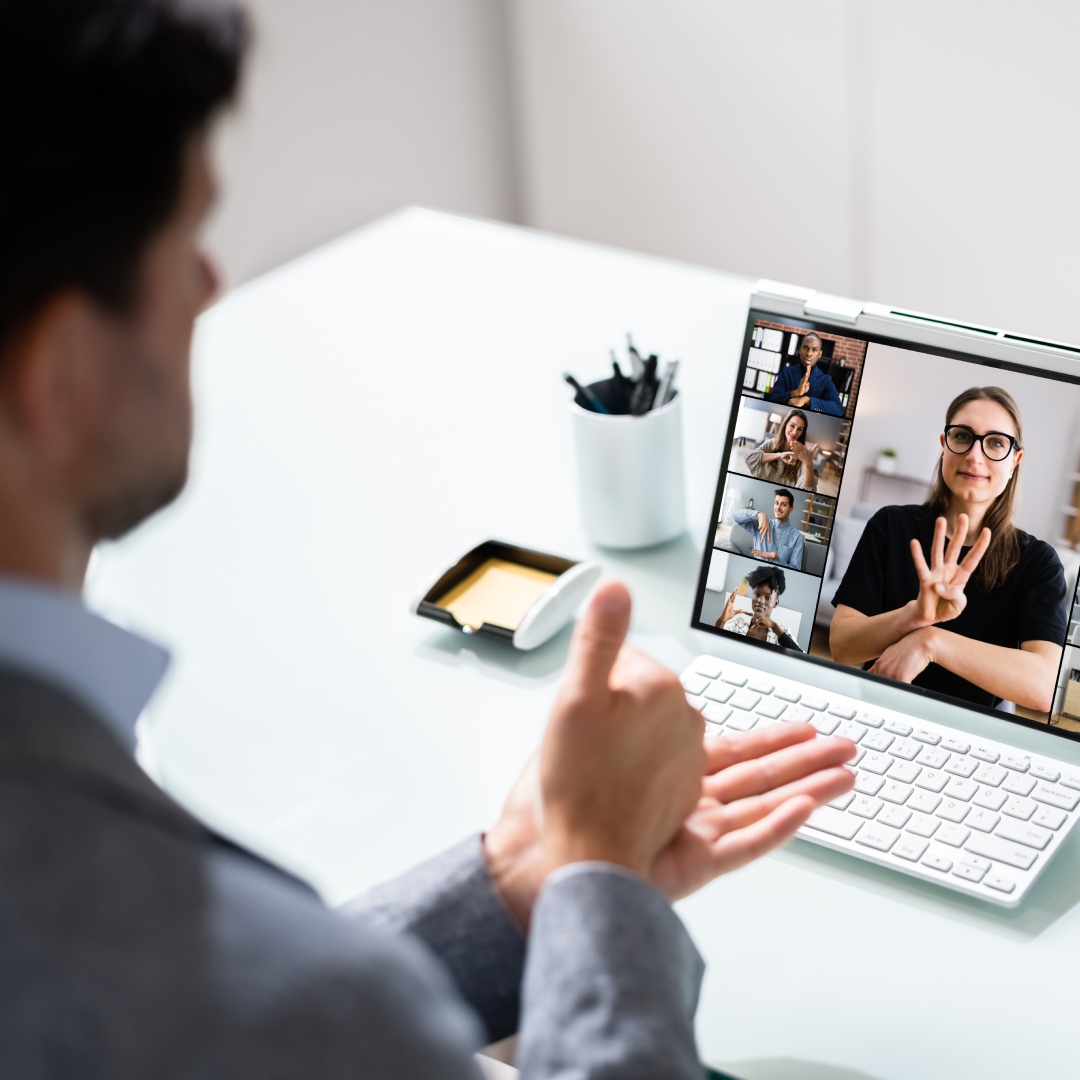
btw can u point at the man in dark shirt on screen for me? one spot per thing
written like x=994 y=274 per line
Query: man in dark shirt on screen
x=804 y=385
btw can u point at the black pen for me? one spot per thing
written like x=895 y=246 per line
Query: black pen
x=587 y=394
x=645 y=389
x=622 y=385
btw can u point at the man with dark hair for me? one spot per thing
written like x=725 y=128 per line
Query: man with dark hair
x=134 y=942
x=777 y=539
x=804 y=385
x=766 y=585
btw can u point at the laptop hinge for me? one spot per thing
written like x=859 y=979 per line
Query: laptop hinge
x=834 y=307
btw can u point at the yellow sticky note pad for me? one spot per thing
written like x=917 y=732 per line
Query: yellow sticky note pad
x=496 y=592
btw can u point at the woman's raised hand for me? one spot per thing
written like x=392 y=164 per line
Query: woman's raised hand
x=941 y=584
x=803 y=452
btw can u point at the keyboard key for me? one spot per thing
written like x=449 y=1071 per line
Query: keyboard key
x=735 y=677
x=952 y=810
x=741 y=721
x=1018 y=784
x=1001 y=850
x=1016 y=762
x=984 y=753
x=953 y=835
x=815 y=703
x=968 y=873
x=694 y=684
x=983 y=820
x=925 y=735
x=1028 y=835
x=844 y=801
x=709 y=666
x=771 y=708
x=990 y=799
x=961 y=766
x=876 y=762
x=1055 y=796
x=906 y=749
x=938 y=862
x=1045 y=772
x=868 y=784
x=865 y=807
x=878 y=740
x=843 y=712
x=859 y=751
x=896 y=816
x=712 y=730
x=796 y=714
x=976 y=860
x=759 y=685
x=878 y=837
x=957 y=746
x=716 y=713
x=1049 y=818
x=921 y=825
x=1017 y=807
x=719 y=692
x=850 y=730
x=895 y=792
x=910 y=848
x=695 y=702
x=744 y=699
x=870 y=719
x=824 y=723
x=834 y=822
x=989 y=774
x=931 y=780
x=933 y=758
x=925 y=802
x=1071 y=780
x=787 y=693
x=1000 y=882
x=904 y=771
x=898 y=727
x=961 y=789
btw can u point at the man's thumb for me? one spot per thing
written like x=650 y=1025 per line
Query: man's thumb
x=599 y=637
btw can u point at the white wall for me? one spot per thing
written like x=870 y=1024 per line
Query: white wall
x=919 y=153
x=353 y=108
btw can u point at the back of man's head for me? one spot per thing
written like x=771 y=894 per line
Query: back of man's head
x=98 y=101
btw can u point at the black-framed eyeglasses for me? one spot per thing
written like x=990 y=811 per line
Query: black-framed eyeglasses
x=996 y=445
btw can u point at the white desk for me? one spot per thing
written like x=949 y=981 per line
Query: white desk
x=368 y=413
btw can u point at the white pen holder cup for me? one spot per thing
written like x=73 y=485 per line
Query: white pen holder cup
x=630 y=474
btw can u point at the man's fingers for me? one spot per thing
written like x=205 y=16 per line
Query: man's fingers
x=978 y=550
x=772 y=771
x=920 y=561
x=743 y=746
x=735 y=849
x=598 y=638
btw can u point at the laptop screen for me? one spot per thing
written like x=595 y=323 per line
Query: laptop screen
x=902 y=512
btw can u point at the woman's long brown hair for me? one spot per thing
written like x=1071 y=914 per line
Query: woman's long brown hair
x=791 y=473
x=1004 y=551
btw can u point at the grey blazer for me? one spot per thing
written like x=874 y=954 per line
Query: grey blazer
x=134 y=942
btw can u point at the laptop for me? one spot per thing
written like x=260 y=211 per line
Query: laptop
x=898 y=505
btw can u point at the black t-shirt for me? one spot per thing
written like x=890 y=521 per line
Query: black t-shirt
x=1029 y=606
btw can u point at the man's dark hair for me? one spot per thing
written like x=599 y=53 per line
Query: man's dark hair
x=786 y=494
x=767 y=575
x=99 y=100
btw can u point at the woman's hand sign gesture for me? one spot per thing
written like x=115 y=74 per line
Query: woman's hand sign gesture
x=941 y=584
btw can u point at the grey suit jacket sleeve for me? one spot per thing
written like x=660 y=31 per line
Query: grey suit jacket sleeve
x=452 y=905
x=611 y=983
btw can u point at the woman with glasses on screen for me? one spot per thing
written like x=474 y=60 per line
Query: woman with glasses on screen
x=787 y=459
x=951 y=595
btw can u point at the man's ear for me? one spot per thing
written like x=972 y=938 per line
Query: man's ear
x=54 y=375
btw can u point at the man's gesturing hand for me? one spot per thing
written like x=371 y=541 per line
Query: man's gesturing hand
x=622 y=762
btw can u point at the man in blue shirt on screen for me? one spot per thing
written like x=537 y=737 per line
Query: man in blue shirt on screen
x=776 y=539
x=803 y=386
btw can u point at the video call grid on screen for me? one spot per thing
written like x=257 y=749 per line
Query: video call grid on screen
x=890 y=394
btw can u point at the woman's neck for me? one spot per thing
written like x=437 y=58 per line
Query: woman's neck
x=975 y=513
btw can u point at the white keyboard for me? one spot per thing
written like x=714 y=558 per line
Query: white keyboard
x=977 y=816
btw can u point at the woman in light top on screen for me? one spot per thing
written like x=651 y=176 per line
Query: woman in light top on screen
x=787 y=459
x=983 y=618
